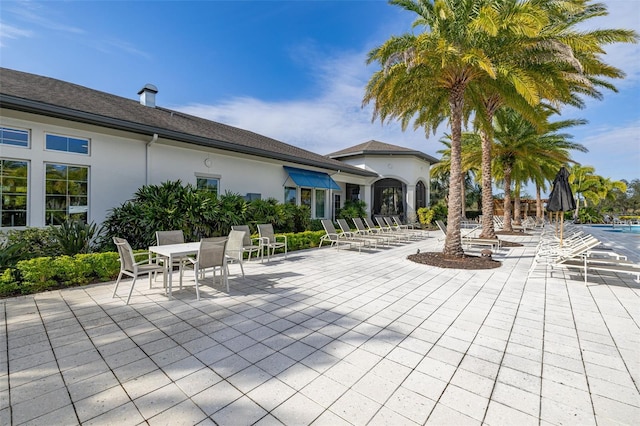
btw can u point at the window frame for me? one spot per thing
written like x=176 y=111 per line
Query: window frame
x=69 y=138
x=208 y=177
x=85 y=210
x=27 y=164
x=18 y=130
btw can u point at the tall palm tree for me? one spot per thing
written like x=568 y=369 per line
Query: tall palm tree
x=562 y=62
x=425 y=77
x=521 y=147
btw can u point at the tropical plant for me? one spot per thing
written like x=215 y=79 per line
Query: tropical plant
x=74 y=237
x=520 y=147
x=353 y=208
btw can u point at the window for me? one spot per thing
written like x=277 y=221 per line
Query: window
x=67 y=144
x=305 y=197
x=252 y=196
x=67 y=193
x=421 y=195
x=290 y=195
x=14 y=137
x=13 y=192
x=353 y=192
x=320 y=202
x=208 y=184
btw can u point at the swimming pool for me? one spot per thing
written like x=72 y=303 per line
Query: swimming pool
x=631 y=229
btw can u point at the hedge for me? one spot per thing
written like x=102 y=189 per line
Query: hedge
x=51 y=273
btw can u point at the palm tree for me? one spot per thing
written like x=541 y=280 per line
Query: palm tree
x=425 y=77
x=520 y=148
x=588 y=187
x=468 y=169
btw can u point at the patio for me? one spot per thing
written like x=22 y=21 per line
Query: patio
x=337 y=338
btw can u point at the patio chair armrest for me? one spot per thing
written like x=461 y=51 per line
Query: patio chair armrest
x=283 y=237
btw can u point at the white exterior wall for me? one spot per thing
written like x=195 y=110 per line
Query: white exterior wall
x=407 y=169
x=237 y=174
x=116 y=164
x=122 y=162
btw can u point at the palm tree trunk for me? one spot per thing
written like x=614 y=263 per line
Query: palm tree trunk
x=453 y=242
x=488 y=229
x=507 y=199
x=539 y=213
x=463 y=196
x=517 y=210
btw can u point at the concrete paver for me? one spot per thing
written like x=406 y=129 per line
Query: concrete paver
x=334 y=337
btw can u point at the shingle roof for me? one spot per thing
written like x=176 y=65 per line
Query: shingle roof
x=374 y=147
x=48 y=96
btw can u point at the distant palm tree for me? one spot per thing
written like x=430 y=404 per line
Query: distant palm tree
x=520 y=148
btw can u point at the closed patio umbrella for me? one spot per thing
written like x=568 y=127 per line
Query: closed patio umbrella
x=561 y=198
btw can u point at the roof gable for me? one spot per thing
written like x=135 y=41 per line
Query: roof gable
x=374 y=147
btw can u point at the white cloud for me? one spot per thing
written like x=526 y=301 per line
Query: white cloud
x=41 y=16
x=11 y=32
x=613 y=151
x=332 y=121
x=335 y=120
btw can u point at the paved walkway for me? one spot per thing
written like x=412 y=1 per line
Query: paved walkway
x=332 y=337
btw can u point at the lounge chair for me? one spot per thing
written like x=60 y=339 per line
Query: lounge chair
x=579 y=251
x=397 y=227
x=270 y=240
x=384 y=231
x=391 y=230
x=363 y=230
x=336 y=240
x=348 y=234
x=413 y=226
x=467 y=240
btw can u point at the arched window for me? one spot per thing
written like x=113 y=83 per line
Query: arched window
x=421 y=195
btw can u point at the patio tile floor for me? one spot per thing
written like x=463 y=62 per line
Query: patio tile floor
x=330 y=337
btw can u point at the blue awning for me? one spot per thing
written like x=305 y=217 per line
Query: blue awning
x=311 y=179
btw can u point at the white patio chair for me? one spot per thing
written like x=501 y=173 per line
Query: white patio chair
x=234 y=250
x=249 y=245
x=270 y=240
x=211 y=256
x=131 y=268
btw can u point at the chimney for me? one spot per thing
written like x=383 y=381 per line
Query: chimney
x=148 y=95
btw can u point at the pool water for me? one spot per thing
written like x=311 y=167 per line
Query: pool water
x=627 y=229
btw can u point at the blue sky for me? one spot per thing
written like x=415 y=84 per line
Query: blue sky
x=291 y=70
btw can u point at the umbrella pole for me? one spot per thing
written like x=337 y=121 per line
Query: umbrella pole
x=562 y=230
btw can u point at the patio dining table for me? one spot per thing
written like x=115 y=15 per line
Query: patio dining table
x=171 y=252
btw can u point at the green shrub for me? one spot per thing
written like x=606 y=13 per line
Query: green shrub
x=353 y=208
x=440 y=211
x=315 y=225
x=304 y=240
x=11 y=253
x=9 y=283
x=38 y=242
x=104 y=266
x=425 y=215
x=46 y=273
x=37 y=274
x=75 y=237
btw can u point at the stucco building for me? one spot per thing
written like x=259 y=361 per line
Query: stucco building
x=67 y=150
